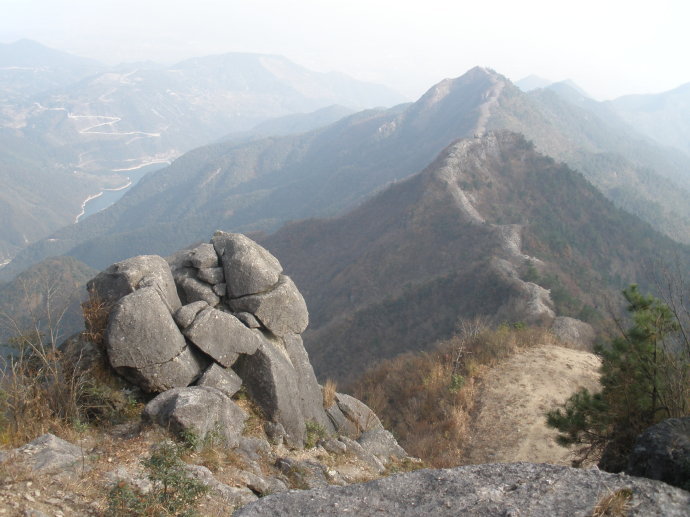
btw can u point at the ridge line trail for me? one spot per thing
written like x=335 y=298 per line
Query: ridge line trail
x=485 y=107
x=510 y=423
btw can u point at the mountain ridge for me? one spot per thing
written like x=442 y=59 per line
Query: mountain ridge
x=259 y=185
x=390 y=275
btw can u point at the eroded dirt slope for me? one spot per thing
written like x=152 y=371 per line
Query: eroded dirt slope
x=510 y=424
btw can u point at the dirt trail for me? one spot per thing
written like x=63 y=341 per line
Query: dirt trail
x=510 y=424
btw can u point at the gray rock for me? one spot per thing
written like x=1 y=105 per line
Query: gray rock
x=203 y=256
x=220 y=289
x=575 y=333
x=662 y=452
x=479 y=490
x=135 y=477
x=212 y=275
x=195 y=290
x=199 y=410
x=303 y=475
x=248 y=319
x=123 y=278
x=310 y=394
x=180 y=259
x=30 y=512
x=381 y=444
x=275 y=432
x=145 y=346
x=273 y=384
x=253 y=448
x=222 y=336
x=332 y=445
x=249 y=268
x=363 y=418
x=257 y=484
x=341 y=423
x=282 y=310
x=223 y=379
x=357 y=450
x=231 y=495
x=48 y=453
x=184 y=316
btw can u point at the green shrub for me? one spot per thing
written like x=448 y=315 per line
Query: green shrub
x=173 y=492
x=315 y=432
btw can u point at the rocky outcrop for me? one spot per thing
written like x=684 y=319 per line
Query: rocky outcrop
x=249 y=268
x=127 y=276
x=537 y=490
x=145 y=345
x=209 y=321
x=663 y=452
x=47 y=454
x=197 y=412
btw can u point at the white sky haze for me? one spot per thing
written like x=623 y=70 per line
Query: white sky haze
x=608 y=47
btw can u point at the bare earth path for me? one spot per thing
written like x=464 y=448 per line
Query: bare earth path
x=510 y=424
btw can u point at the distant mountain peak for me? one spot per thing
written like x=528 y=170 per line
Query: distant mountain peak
x=533 y=82
x=476 y=79
x=569 y=87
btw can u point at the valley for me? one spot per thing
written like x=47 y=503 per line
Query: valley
x=92 y=130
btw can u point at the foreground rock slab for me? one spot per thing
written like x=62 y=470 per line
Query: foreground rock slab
x=537 y=490
x=47 y=453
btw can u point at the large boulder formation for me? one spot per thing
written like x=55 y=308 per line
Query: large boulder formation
x=146 y=347
x=123 y=278
x=537 y=490
x=212 y=319
x=248 y=267
x=663 y=452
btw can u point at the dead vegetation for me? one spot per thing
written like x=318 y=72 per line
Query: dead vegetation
x=615 y=504
x=426 y=399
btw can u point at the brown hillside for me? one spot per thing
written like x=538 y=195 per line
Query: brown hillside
x=485 y=230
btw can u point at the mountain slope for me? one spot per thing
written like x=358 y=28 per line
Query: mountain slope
x=28 y=68
x=65 y=140
x=259 y=185
x=458 y=241
x=645 y=179
x=36 y=189
x=665 y=117
x=45 y=297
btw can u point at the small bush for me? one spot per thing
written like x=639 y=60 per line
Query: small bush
x=315 y=432
x=173 y=492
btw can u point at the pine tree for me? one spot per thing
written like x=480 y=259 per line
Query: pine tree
x=644 y=378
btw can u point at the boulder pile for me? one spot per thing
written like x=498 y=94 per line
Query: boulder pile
x=210 y=320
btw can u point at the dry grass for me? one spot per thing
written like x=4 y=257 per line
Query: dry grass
x=329 y=391
x=254 y=425
x=615 y=504
x=95 y=311
x=426 y=399
x=44 y=388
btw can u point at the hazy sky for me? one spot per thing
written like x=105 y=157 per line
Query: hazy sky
x=608 y=47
